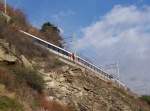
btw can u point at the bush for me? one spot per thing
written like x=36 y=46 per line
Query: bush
x=146 y=98
x=6 y=78
x=51 y=33
x=54 y=105
x=30 y=77
x=7 y=104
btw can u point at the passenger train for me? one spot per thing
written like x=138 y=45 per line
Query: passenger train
x=74 y=58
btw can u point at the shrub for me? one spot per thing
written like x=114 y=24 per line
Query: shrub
x=7 y=104
x=6 y=78
x=51 y=33
x=22 y=43
x=30 y=77
x=146 y=98
x=54 y=105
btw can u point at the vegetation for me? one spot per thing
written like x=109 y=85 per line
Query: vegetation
x=146 y=98
x=7 y=79
x=32 y=78
x=22 y=76
x=54 y=105
x=7 y=104
x=25 y=82
x=52 y=34
x=18 y=21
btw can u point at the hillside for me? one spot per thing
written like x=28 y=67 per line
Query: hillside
x=33 y=79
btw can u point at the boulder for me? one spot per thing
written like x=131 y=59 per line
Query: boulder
x=25 y=62
x=6 y=56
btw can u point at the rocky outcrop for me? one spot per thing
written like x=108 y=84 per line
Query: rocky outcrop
x=25 y=62
x=86 y=92
x=5 y=54
x=8 y=55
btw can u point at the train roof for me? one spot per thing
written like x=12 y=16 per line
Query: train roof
x=43 y=40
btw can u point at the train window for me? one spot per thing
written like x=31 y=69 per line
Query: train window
x=34 y=40
x=66 y=53
x=49 y=46
x=43 y=43
x=106 y=75
x=85 y=63
x=39 y=41
x=111 y=76
x=94 y=67
x=57 y=50
x=88 y=65
x=80 y=60
x=62 y=52
x=99 y=71
x=53 y=47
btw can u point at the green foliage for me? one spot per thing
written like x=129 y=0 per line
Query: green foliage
x=46 y=26
x=19 y=77
x=51 y=33
x=7 y=104
x=30 y=77
x=146 y=98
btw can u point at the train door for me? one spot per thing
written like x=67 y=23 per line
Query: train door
x=73 y=56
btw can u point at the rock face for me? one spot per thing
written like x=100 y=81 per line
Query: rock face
x=8 y=55
x=5 y=55
x=87 y=93
x=25 y=62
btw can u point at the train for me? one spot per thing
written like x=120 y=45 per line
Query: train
x=74 y=58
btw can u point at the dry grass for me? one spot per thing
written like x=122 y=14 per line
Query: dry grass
x=6 y=79
x=54 y=106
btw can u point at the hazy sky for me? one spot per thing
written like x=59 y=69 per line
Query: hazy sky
x=108 y=31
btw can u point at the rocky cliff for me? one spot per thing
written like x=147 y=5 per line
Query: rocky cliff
x=87 y=92
x=80 y=89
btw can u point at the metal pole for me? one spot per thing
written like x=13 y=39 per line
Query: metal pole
x=74 y=41
x=118 y=72
x=5 y=6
